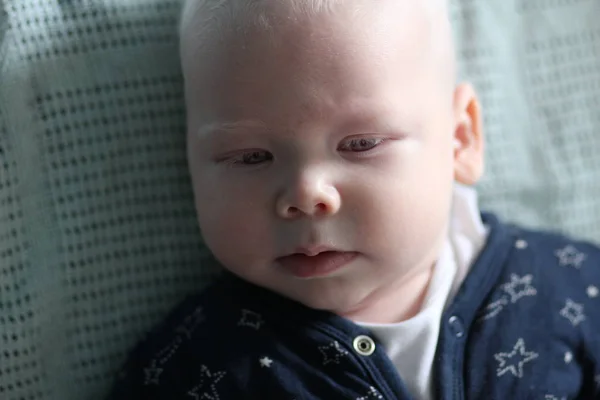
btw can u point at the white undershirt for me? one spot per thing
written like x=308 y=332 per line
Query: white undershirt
x=411 y=344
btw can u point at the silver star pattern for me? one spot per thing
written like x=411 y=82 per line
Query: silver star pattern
x=514 y=361
x=265 y=362
x=251 y=319
x=168 y=352
x=516 y=289
x=570 y=257
x=373 y=394
x=191 y=323
x=332 y=353
x=593 y=292
x=493 y=309
x=152 y=374
x=206 y=389
x=573 y=312
x=553 y=397
x=519 y=287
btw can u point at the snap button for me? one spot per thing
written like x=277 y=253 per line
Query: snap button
x=364 y=345
x=456 y=326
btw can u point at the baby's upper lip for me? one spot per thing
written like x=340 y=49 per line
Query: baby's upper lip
x=313 y=250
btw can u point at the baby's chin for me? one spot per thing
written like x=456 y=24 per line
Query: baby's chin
x=339 y=292
x=328 y=294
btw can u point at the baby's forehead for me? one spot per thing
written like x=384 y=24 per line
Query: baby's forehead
x=204 y=26
x=292 y=40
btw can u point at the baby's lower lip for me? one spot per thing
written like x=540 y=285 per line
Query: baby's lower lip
x=323 y=264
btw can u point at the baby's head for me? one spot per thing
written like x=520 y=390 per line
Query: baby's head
x=320 y=125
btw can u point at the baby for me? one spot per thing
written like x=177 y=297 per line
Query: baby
x=332 y=155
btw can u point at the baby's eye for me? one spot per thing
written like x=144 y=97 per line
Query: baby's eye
x=361 y=144
x=254 y=158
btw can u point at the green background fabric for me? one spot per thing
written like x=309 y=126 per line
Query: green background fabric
x=98 y=238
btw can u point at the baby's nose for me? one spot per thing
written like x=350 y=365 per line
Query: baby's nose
x=312 y=197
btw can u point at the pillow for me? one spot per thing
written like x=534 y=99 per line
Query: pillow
x=536 y=66
x=98 y=236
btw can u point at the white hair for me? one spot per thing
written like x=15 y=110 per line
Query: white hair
x=205 y=24
x=205 y=12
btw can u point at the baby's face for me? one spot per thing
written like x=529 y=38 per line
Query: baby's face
x=337 y=136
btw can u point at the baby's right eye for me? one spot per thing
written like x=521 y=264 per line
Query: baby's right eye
x=253 y=158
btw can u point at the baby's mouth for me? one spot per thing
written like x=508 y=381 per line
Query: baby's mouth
x=320 y=265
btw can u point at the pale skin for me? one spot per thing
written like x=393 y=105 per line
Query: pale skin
x=335 y=134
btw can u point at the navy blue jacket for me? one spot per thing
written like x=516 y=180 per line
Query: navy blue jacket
x=525 y=324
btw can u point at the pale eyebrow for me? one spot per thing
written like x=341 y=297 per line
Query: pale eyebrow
x=207 y=130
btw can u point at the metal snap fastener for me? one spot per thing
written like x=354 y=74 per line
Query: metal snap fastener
x=456 y=326
x=364 y=345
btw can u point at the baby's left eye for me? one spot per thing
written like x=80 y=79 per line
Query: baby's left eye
x=361 y=144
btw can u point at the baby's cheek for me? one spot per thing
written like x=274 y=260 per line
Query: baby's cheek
x=403 y=221
x=237 y=237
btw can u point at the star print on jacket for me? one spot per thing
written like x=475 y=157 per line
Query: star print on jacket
x=514 y=361
x=152 y=374
x=332 y=353
x=519 y=287
x=521 y=244
x=511 y=293
x=207 y=386
x=372 y=395
x=493 y=309
x=568 y=357
x=569 y=256
x=265 y=362
x=165 y=354
x=251 y=319
x=183 y=331
x=573 y=312
x=191 y=323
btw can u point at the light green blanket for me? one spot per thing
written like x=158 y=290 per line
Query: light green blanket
x=98 y=237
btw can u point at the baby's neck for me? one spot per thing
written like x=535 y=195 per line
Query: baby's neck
x=396 y=302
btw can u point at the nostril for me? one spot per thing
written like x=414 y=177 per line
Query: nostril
x=293 y=210
x=321 y=207
x=318 y=209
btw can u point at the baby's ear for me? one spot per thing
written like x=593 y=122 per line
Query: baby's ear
x=468 y=136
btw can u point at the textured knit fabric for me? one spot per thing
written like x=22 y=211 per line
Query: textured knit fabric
x=524 y=325
x=98 y=232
